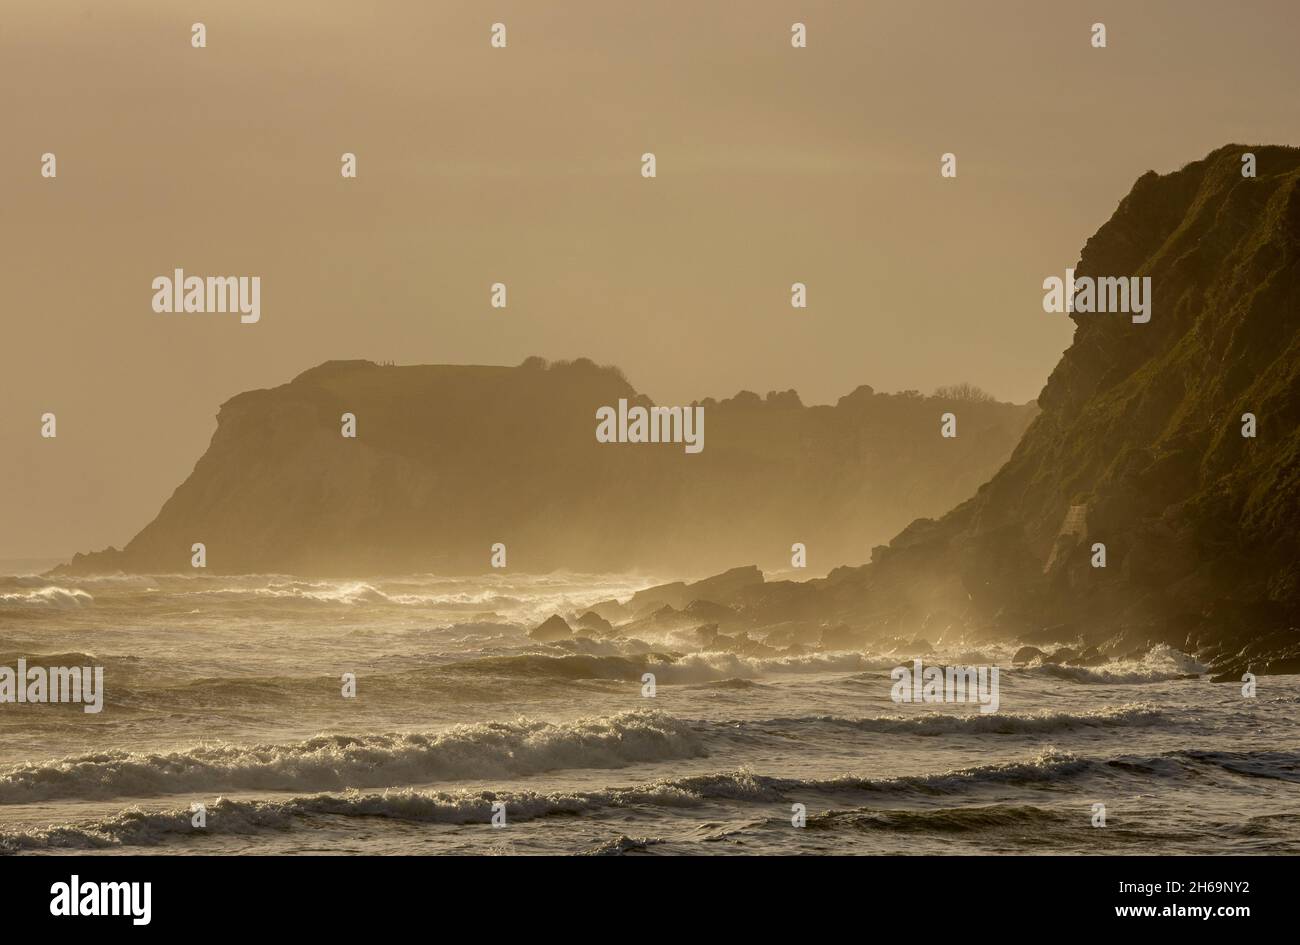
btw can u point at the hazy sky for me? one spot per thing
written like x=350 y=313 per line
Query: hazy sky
x=522 y=165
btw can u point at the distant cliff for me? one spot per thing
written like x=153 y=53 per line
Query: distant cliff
x=449 y=460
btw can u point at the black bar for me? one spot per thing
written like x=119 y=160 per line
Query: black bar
x=327 y=895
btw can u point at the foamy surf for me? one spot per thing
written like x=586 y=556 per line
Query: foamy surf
x=139 y=827
x=52 y=596
x=224 y=817
x=335 y=762
x=217 y=686
x=1161 y=664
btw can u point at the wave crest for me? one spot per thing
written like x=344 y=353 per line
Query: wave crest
x=1162 y=664
x=336 y=762
x=135 y=827
x=59 y=597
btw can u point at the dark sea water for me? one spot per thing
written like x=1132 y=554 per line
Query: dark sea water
x=226 y=692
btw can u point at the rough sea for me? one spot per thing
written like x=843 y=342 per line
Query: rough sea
x=224 y=695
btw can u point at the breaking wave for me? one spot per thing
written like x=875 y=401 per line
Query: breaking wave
x=60 y=597
x=1161 y=664
x=336 y=762
x=138 y=827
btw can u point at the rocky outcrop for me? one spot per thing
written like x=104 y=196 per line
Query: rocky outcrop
x=679 y=595
x=1142 y=424
x=594 y=624
x=553 y=628
x=1138 y=447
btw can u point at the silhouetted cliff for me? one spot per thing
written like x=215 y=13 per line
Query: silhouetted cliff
x=449 y=460
x=1139 y=447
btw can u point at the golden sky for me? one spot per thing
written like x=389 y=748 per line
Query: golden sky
x=521 y=165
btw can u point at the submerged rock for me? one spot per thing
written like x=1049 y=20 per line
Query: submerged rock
x=1027 y=654
x=553 y=628
x=595 y=623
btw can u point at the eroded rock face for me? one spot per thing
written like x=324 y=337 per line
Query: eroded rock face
x=1141 y=425
x=1138 y=447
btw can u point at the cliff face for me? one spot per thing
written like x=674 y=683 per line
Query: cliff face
x=449 y=460
x=1139 y=446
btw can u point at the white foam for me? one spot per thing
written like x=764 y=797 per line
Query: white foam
x=62 y=597
x=334 y=762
